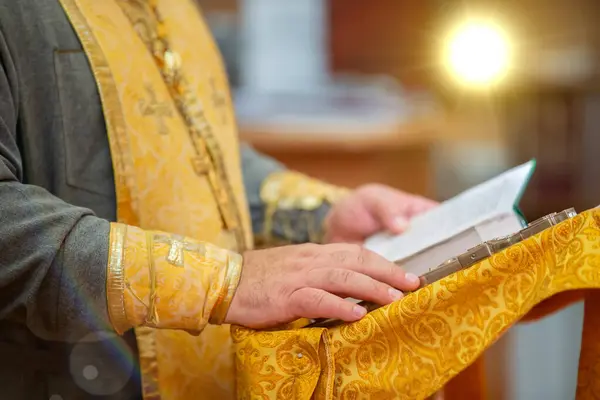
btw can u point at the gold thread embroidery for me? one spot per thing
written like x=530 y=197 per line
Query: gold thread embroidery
x=178 y=248
x=158 y=110
x=209 y=158
x=115 y=279
x=288 y=190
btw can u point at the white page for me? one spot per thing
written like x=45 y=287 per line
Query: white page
x=481 y=203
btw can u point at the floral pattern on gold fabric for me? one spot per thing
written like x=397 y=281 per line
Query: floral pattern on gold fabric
x=411 y=348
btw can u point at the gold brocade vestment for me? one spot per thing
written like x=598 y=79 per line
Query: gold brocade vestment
x=173 y=173
x=177 y=169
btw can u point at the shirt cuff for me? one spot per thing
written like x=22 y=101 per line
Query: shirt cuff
x=295 y=208
x=165 y=281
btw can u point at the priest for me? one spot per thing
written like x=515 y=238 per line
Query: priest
x=129 y=211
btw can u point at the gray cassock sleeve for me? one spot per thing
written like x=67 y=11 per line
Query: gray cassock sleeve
x=288 y=226
x=53 y=255
x=256 y=168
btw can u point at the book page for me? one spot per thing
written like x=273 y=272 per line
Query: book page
x=489 y=200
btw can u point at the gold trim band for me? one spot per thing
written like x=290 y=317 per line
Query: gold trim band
x=116 y=127
x=115 y=281
x=230 y=284
x=152 y=316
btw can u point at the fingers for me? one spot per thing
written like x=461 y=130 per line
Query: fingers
x=353 y=284
x=361 y=260
x=393 y=209
x=420 y=204
x=387 y=207
x=317 y=303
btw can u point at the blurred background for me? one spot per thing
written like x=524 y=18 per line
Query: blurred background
x=431 y=96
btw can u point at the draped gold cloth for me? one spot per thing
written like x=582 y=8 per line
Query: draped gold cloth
x=411 y=348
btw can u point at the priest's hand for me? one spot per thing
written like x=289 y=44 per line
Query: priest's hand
x=371 y=209
x=282 y=284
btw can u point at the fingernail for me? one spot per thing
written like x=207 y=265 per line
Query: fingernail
x=395 y=294
x=359 y=311
x=400 y=224
x=412 y=278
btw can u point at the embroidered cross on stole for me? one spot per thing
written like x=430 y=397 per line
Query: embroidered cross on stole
x=177 y=249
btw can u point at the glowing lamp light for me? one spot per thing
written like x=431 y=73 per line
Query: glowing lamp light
x=478 y=53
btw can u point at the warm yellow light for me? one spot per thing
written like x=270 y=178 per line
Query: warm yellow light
x=478 y=53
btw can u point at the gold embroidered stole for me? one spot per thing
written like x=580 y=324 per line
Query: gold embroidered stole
x=176 y=169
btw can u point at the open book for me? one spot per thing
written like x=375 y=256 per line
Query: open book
x=481 y=213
